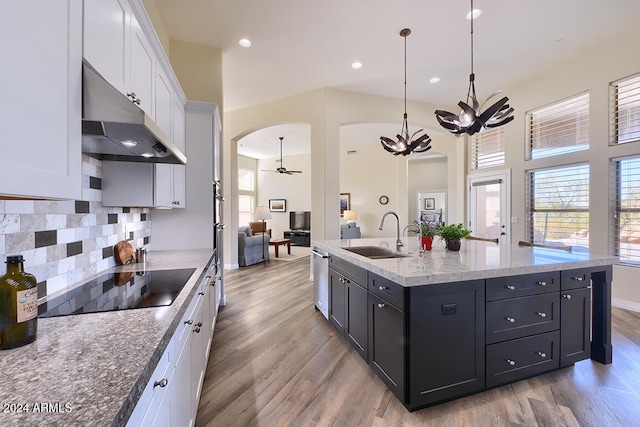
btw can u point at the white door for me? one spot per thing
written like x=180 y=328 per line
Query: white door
x=489 y=205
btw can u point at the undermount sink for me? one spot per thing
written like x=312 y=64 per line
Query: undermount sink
x=375 y=252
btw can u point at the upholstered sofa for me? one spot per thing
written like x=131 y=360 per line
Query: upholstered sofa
x=258 y=227
x=250 y=247
x=349 y=231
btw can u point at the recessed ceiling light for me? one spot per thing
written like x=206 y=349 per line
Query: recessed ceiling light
x=244 y=42
x=147 y=155
x=476 y=13
x=356 y=65
x=434 y=80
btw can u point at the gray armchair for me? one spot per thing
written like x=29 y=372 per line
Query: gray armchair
x=250 y=247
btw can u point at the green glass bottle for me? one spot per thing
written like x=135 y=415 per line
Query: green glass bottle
x=18 y=305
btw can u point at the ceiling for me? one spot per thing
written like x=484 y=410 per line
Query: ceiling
x=298 y=46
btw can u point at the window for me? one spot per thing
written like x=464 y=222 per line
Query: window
x=246 y=195
x=560 y=128
x=558 y=206
x=487 y=148
x=625 y=110
x=626 y=217
x=245 y=209
x=246 y=180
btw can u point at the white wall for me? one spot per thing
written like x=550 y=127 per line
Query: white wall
x=426 y=175
x=367 y=175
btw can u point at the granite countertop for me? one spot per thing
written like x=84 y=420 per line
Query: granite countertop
x=90 y=369
x=475 y=260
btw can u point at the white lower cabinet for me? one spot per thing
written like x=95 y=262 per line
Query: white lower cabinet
x=172 y=395
x=158 y=387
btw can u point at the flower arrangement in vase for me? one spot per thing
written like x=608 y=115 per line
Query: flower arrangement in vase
x=428 y=230
x=452 y=234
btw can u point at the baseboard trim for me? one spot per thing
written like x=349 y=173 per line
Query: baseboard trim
x=627 y=305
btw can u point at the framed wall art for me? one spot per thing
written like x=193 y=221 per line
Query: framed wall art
x=429 y=203
x=277 y=205
x=345 y=202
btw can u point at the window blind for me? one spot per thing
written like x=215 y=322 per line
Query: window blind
x=559 y=128
x=487 y=148
x=626 y=215
x=624 y=110
x=558 y=206
x=245 y=180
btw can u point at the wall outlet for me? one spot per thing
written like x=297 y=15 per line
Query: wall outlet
x=515 y=220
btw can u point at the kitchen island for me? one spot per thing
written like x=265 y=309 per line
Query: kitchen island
x=440 y=325
x=95 y=369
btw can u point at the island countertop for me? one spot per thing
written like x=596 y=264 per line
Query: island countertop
x=475 y=260
x=90 y=369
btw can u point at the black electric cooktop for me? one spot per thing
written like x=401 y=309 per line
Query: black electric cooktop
x=119 y=291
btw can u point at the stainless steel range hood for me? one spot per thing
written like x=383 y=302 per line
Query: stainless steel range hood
x=114 y=128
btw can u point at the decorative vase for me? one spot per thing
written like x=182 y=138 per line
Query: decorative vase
x=427 y=242
x=453 y=245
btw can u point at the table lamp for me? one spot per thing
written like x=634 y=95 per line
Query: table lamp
x=262 y=214
x=350 y=215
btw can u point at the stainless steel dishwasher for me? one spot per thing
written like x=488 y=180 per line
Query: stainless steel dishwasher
x=321 y=281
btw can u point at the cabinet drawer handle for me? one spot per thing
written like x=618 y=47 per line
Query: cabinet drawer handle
x=188 y=322
x=542 y=314
x=511 y=287
x=196 y=329
x=510 y=319
x=579 y=279
x=511 y=362
x=162 y=383
x=567 y=296
x=541 y=283
x=199 y=324
x=383 y=288
x=541 y=354
x=381 y=305
x=200 y=293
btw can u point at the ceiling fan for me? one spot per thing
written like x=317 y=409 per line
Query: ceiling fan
x=282 y=169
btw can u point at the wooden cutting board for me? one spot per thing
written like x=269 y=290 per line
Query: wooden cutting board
x=123 y=253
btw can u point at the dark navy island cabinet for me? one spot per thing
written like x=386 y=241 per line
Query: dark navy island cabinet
x=437 y=342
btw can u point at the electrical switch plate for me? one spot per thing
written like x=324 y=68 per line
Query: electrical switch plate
x=514 y=220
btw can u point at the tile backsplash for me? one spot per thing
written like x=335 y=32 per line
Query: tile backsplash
x=66 y=242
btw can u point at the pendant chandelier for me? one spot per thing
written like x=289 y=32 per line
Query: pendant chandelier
x=404 y=144
x=471 y=120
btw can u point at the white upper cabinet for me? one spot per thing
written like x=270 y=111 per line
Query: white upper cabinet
x=170 y=188
x=121 y=45
x=163 y=102
x=143 y=68
x=107 y=40
x=179 y=171
x=41 y=103
x=116 y=45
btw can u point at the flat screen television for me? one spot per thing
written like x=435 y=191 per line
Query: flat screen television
x=300 y=220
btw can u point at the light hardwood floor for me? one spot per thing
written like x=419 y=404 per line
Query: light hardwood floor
x=276 y=361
